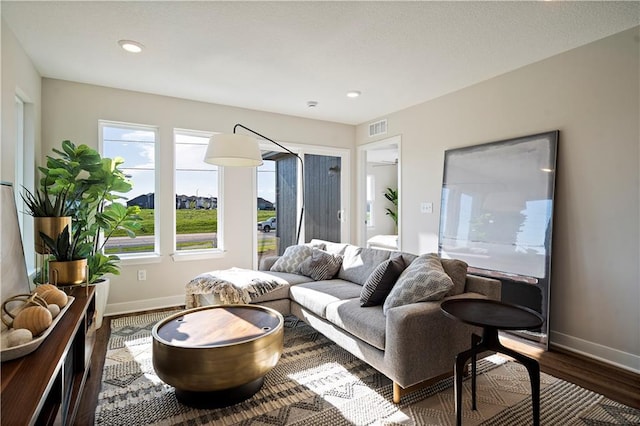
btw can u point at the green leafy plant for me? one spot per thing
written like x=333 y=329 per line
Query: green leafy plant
x=66 y=247
x=392 y=195
x=40 y=204
x=97 y=212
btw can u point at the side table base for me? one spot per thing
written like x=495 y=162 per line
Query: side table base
x=491 y=342
x=220 y=398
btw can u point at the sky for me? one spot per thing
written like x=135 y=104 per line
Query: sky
x=193 y=177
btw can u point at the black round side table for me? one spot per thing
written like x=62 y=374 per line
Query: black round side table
x=492 y=316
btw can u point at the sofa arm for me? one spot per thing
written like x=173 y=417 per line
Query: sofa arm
x=267 y=262
x=489 y=287
x=422 y=343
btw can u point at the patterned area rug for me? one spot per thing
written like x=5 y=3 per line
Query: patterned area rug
x=318 y=383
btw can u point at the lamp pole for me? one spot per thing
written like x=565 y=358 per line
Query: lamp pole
x=301 y=170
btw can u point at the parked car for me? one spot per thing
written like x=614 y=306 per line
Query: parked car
x=267 y=225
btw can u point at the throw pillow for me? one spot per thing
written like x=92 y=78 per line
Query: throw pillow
x=321 y=265
x=291 y=259
x=317 y=244
x=360 y=262
x=381 y=281
x=423 y=280
x=457 y=271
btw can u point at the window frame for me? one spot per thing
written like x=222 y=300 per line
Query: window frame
x=24 y=177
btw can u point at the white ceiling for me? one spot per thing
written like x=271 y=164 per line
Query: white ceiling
x=276 y=56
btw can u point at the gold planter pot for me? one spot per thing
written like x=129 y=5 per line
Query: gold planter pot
x=50 y=226
x=71 y=272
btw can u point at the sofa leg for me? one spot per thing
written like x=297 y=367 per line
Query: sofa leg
x=397 y=393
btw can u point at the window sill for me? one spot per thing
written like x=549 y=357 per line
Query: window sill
x=139 y=259
x=197 y=255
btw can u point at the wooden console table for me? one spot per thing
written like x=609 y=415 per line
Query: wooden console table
x=45 y=386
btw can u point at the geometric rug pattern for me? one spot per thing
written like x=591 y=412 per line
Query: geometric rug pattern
x=318 y=383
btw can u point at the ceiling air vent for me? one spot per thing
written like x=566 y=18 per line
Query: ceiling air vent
x=378 y=128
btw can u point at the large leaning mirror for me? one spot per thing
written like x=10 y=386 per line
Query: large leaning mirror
x=380 y=194
x=497 y=215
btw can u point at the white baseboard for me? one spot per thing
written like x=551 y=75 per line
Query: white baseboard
x=144 y=305
x=597 y=351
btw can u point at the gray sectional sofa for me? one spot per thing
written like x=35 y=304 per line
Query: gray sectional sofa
x=413 y=344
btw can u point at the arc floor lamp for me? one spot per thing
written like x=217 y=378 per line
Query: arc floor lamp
x=238 y=150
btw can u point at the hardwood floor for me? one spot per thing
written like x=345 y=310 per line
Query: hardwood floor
x=613 y=382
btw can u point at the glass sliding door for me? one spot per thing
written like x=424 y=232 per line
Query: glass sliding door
x=268 y=243
x=279 y=192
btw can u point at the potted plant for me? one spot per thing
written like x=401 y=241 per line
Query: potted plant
x=51 y=213
x=69 y=253
x=392 y=195
x=96 y=212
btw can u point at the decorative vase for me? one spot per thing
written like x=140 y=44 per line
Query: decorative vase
x=102 y=295
x=50 y=226
x=71 y=272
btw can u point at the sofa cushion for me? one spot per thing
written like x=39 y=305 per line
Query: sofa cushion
x=368 y=324
x=329 y=246
x=291 y=259
x=381 y=281
x=359 y=263
x=457 y=271
x=422 y=281
x=319 y=244
x=321 y=265
x=407 y=257
x=316 y=295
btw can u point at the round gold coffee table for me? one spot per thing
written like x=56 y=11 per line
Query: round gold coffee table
x=217 y=356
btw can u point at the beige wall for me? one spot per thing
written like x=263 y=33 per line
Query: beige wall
x=72 y=110
x=19 y=77
x=591 y=94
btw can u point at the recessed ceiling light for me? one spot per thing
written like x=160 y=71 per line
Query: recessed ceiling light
x=312 y=104
x=131 y=46
x=353 y=94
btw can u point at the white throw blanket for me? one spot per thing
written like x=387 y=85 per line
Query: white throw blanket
x=232 y=286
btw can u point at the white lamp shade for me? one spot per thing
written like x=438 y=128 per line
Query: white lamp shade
x=233 y=150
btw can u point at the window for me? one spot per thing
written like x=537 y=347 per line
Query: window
x=268 y=243
x=24 y=177
x=197 y=194
x=136 y=144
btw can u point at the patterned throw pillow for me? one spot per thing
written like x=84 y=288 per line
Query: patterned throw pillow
x=422 y=281
x=457 y=271
x=291 y=259
x=321 y=265
x=381 y=281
